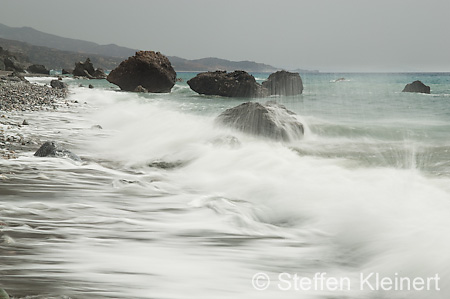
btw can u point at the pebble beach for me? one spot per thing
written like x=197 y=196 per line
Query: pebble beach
x=17 y=98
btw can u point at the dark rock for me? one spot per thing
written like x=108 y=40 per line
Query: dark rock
x=12 y=64
x=91 y=86
x=25 y=123
x=86 y=69
x=151 y=70
x=38 y=69
x=166 y=165
x=58 y=84
x=53 y=149
x=284 y=83
x=417 y=86
x=236 y=84
x=67 y=72
x=2 y=65
x=269 y=120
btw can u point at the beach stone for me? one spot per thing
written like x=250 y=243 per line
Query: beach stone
x=53 y=149
x=38 y=69
x=236 y=84
x=270 y=120
x=86 y=69
x=3 y=294
x=151 y=70
x=91 y=86
x=58 y=84
x=417 y=86
x=284 y=83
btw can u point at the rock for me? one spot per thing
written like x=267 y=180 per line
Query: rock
x=58 y=84
x=151 y=70
x=66 y=72
x=86 y=69
x=12 y=64
x=53 y=149
x=220 y=83
x=3 y=294
x=269 y=120
x=417 y=86
x=91 y=86
x=284 y=83
x=97 y=127
x=25 y=123
x=38 y=69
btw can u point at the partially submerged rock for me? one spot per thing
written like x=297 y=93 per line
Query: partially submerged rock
x=417 y=86
x=284 y=83
x=270 y=120
x=86 y=69
x=53 y=149
x=236 y=84
x=150 y=70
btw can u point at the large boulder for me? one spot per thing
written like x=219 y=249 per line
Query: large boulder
x=53 y=149
x=417 y=86
x=270 y=120
x=12 y=64
x=150 y=70
x=86 y=69
x=284 y=83
x=38 y=69
x=58 y=84
x=220 y=83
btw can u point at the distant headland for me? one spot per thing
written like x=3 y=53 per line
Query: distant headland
x=57 y=52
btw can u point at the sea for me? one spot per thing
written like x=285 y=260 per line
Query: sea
x=165 y=203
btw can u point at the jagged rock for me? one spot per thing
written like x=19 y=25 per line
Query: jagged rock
x=66 y=72
x=86 y=69
x=38 y=69
x=91 y=86
x=270 y=120
x=236 y=84
x=53 y=149
x=25 y=123
x=58 y=84
x=152 y=70
x=12 y=64
x=417 y=86
x=284 y=83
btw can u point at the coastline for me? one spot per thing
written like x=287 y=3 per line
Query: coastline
x=19 y=98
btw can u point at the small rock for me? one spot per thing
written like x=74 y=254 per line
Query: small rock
x=25 y=123
x=98 y=127
x=53 y=149
x=91 y=86
x=417 y=86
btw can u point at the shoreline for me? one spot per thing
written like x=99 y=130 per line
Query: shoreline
x=17 y=98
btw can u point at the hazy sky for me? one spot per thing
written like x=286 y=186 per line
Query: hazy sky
x=329 y=35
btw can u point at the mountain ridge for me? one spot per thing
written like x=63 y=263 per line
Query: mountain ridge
x=56 y=52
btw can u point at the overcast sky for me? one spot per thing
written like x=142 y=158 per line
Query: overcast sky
x=329 y=35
